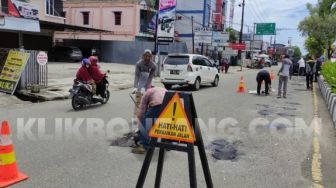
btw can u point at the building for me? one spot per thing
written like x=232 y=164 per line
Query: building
x=118 y=20
x=22 y=23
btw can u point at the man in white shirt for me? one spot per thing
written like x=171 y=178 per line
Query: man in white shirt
x=301 y=67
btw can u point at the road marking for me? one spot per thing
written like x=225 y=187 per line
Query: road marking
x=317 y=157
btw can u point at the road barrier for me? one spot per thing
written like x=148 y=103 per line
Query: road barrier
x=329 y=98
x=9 y=173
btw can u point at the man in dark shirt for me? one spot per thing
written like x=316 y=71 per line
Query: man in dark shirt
x=263 y=76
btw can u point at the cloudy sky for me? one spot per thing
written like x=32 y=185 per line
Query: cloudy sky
x=285 y=13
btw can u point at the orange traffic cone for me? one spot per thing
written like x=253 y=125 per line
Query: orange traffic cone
x=8 y=169
x=241 y=87
x=272 y=75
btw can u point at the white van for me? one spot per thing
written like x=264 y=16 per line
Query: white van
x=188 y=69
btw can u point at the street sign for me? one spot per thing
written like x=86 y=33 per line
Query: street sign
x=173 y=123
x=219 y=38
x=235 y=46
x=182 y=120
x=204 y=37
x=42 y=58
x=265 y=29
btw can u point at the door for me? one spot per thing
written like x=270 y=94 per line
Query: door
x=211 y=70
x=204 y=69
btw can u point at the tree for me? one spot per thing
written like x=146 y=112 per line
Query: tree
x=297 y=51
x=232 y=34
x=320 y=25
x=313 y=46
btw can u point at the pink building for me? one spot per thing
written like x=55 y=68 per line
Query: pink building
x=117 y=20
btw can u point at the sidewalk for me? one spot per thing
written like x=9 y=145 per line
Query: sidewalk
x=61 y=76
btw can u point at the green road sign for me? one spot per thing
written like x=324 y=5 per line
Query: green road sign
x=265 y=29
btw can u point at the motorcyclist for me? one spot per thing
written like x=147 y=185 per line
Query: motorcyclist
x=83 y=74
x=97 y=76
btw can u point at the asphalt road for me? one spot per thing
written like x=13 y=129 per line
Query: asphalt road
x=277 y=143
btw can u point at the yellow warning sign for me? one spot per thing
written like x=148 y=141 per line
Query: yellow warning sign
x=173 y=123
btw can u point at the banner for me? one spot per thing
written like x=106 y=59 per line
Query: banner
x=22 y=9
x=166 y=20
x=12 y=69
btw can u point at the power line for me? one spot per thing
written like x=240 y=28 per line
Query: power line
x=258 y=9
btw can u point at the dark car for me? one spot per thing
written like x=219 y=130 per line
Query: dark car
x=65 y=53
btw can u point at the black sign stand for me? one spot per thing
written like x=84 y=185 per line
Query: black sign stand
x=190 y=109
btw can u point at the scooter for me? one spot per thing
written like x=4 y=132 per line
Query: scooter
x=81 y=95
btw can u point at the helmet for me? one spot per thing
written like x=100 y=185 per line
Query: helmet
x=93 y=59
x=85 y=62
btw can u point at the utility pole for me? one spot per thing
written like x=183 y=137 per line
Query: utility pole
x=241 y=36
x=156 y=46
x=252 y=45
x=274 y=47
x=193 y=35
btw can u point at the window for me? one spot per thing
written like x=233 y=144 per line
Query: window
x=53 y=8
x=117 y=18
x=86 y=18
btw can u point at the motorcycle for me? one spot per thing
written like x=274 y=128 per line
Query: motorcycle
x=81 y=95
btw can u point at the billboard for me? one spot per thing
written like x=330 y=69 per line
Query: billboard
x=203 y=37
x=219 y=38
x=166 y=20
x=22 y=9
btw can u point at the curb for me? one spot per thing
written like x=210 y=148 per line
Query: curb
x=329 y=98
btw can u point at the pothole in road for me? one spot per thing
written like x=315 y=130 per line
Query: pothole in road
x=288 y=108
x=222 y=150
x=127 y=140
x=265 y=112
x=264 y=105
x=286 y=114
x=293 y=103
x=278 y=126
x=300 y=89
x=54 y=89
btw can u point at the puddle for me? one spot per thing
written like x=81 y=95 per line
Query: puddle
x=126 y=141
x=222 y=150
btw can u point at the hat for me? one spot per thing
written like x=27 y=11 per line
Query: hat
x=148 y=51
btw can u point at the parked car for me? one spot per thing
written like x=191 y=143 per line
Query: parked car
x=65 y=53
x=188 y=69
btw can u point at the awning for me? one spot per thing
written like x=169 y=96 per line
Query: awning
x=62 y=27
x=19 y=24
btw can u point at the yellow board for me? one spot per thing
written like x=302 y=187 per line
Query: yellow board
x=12 y=69
x=173 y=123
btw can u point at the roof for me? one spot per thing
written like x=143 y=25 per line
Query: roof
x=61 y=27
x=102 y=1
